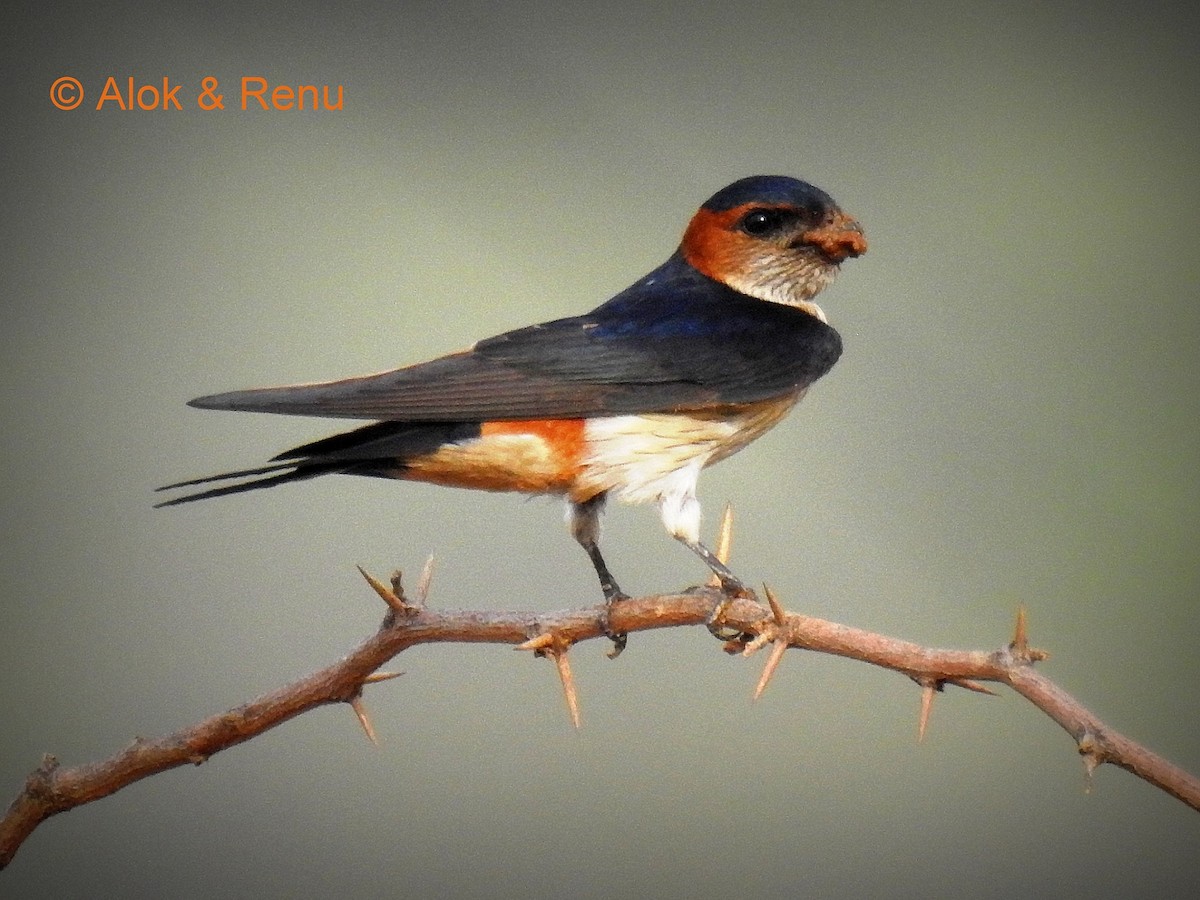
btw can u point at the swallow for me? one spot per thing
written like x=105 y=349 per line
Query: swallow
x=632 y=400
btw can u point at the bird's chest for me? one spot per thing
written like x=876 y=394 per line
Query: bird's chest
x=639 y=458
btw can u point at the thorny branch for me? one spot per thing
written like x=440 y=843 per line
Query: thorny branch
x=51 y=789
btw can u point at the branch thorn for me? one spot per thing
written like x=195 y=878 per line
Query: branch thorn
x=376 y=677
x=360 y=710
x=929 y=688
x=563 y=663
x=971 y=686
x=1093 y=756
x=1019 y=647
x=549 y=644
x=778 y=648
x=760 y=640
x=393 y=597
x=776 y=609
x=1020 y=641
x=425 y=581
x=537 y=643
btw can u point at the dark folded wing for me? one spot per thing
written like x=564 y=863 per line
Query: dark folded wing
x=663 y=344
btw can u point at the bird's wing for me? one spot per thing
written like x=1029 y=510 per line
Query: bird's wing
x=664 y=344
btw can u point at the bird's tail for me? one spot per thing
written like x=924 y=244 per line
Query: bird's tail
x=280 y=473
x=379 y=449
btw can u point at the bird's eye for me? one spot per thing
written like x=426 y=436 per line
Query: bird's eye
x=758 y=222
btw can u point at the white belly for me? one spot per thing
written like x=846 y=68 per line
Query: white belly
x=654 y=456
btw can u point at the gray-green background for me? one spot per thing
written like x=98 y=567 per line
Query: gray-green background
x=1014 y=421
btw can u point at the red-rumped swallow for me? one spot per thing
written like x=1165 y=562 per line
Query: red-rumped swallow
x=633 y=399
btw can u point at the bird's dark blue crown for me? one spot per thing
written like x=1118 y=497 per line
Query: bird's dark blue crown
x=769 y=190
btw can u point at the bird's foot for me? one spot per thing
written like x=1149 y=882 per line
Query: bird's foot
x=732 y=589
x=619 y=639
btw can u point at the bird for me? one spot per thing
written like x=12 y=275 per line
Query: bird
x=632 y=400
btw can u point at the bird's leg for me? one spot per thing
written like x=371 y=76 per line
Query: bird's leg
x=584 y=519
x=612 y=594
x=730 y=583
x=681 y=516
x=608 y=584
x=731 y=588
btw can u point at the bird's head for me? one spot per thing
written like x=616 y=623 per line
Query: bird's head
x=774 y=238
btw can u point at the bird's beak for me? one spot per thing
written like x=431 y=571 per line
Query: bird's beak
x=840 y=238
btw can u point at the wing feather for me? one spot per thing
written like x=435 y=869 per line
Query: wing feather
x=675 y=340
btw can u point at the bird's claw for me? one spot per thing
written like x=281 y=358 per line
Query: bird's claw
x=619 y=638
x=718 y=629
x=731 y=589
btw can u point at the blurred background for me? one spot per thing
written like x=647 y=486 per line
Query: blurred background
x=1014 y=421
